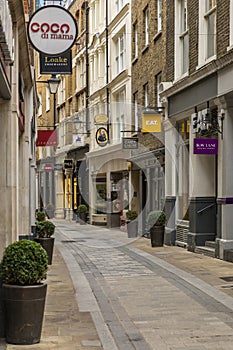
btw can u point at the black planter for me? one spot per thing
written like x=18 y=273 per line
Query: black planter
x=47 y=244
x=157 y=236
x=132 y=229
x=82 y=218
x=24 y=311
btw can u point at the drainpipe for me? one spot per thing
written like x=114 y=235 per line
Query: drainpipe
x=87 y=66
x=107 y=67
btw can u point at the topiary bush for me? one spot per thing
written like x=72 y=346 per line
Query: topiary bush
x=44 y=229
x=156 y=218
x=131 y=215
x=24 y=263
x=40 y=216
x=82 y=208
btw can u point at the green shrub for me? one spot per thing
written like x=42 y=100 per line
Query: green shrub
x=82 y=208
x=24 y=263
x=40 y=216
x=44 y=229
x=156 y=218
x=131 y=215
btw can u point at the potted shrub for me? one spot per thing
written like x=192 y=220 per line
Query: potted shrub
x=23 y=271
x=156 y=221
x=44 y=231
x=132 y=223
x=40 y=216
x=82 y=213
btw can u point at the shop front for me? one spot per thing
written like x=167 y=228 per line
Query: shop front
x=192 y=131
x=109 y=185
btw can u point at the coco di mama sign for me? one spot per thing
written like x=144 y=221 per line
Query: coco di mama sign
x=52 y=30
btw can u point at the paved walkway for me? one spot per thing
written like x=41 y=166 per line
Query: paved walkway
x=192 y=289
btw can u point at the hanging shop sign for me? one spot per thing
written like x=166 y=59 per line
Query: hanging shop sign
x=48 y=168
x=78 y=140
x=101 y=119
x=200 y=120
x=46 y=138
x=68 y=164
x=61 y=64
x=52 y=30
x=130 y=142
x=151 y=122
x=102 y=137
x=205 y=146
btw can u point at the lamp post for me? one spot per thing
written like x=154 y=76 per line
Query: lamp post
x=53 y=83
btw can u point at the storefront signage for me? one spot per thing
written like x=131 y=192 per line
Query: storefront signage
x=78 y=140
x=200 y=121
x=58 y=167
x=101 y=119
x=52 y=30
x=130 y=142
x=46 y=138
x=68 y=164
x=48 y=168
x=205 y=146
x=61 y=64
x=101 y=137
x=151 y=122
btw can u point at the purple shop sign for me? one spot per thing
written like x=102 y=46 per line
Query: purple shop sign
x=205 y=146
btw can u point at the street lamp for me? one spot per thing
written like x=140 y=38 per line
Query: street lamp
x=53 y=83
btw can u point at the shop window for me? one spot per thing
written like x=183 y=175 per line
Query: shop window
x=183 y=128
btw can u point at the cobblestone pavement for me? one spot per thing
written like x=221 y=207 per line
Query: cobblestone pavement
x=149 y=298
x=123 y=294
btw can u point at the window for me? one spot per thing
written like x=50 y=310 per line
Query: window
x=135 y=114
x=61 y=91
x=159 y=15
x=146 y=25
x=120 y=53
x=181 y=39
x=146 y=94
x=231 y=22
x=158 y=80
x=47 y=99
x=120 y=114
x=207 y=30
x=40 y=105
x=135 y=40
x=119 y=5
x=210 y=17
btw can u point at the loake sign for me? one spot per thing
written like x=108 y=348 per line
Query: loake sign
x=61 y=64
x=52 y=30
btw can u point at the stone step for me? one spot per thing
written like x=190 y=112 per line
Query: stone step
x=210 y=244
x=208 y=251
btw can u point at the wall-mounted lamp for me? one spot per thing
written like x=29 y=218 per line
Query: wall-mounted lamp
x=53 y=83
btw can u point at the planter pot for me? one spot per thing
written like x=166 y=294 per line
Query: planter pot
x=157 y=236
x=132 y=229
x=47 y=244
x=82 y=218
x=24 y=310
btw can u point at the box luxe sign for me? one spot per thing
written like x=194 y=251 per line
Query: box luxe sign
x=52 y=30
x=205 y=146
